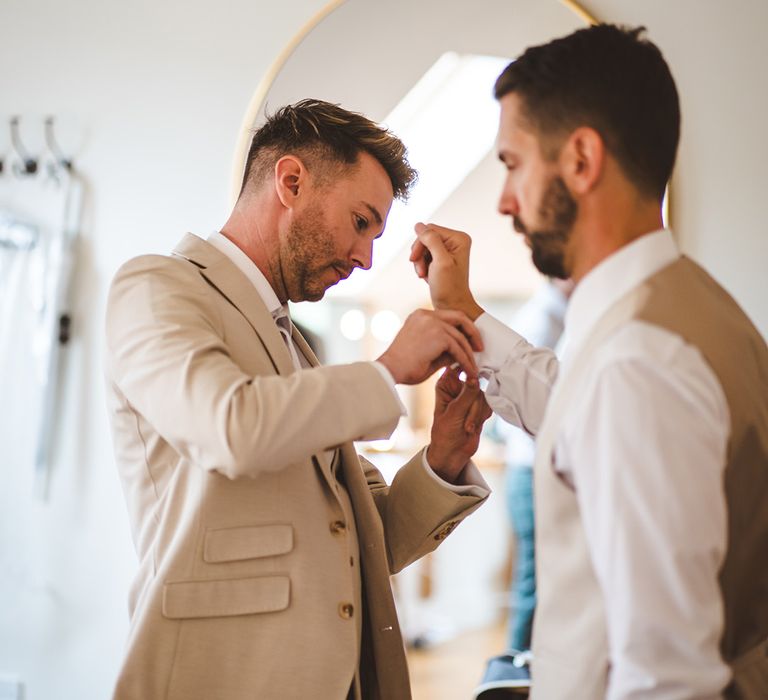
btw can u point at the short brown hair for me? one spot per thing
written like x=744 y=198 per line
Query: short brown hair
x=613 y=80
x=322 y=133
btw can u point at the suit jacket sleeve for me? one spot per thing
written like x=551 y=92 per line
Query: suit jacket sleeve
x=168 y=356
x=416 y=511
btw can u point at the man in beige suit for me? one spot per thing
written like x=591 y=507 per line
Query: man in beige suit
x=651 y=476
x=265 y=542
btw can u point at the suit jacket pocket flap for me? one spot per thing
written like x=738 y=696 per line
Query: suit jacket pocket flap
x=237 y=543
x=222 y=598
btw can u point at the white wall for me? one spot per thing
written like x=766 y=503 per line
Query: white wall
x=716 y=49
x=152 y=94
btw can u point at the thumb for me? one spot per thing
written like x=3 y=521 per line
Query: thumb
x=478 y=413
x=463 y=402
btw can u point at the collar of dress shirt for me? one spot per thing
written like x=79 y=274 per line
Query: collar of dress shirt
x=249 y=268
x=613 y=278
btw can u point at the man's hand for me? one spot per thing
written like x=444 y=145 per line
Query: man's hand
x=460 y=411
x=429 y=340
x=441 y=256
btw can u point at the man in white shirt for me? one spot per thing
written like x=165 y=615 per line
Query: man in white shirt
x=651 y=476
x=265 y=542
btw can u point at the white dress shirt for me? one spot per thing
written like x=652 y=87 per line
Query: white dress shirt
x=474 y=483
x=540 y=321
x=645 y=451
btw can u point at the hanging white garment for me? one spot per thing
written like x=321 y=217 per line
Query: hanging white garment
x=36 y=290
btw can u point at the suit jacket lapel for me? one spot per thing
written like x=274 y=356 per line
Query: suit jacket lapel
x=236 y=287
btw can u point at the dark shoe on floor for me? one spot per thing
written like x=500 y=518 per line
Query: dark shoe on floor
x=507 y=676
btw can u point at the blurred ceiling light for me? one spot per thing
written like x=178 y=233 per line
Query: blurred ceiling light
x=385 y=325
x=352 y=324
x=448 y=121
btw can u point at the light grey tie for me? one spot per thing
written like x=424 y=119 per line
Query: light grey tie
x=284 y=326
x=283 y=322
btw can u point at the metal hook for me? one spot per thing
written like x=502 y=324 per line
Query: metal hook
x=53 y=146
x=28 y=165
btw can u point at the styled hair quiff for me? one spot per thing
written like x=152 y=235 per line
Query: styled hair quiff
x=611 y=79
x=326 y=137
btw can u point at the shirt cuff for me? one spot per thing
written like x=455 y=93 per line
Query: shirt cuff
x=499 y=343
x=390 y=380
x=474 y=484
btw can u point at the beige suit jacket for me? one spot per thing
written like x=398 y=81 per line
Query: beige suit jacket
x=264 y=568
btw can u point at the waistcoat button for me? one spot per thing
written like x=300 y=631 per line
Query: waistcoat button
x=337 y=527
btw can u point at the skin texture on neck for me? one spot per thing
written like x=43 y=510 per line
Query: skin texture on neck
x=253 y=226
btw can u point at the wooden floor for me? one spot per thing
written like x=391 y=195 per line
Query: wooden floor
x=452 y=670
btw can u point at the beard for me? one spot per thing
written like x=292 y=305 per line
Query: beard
x=309 y=260
x=549 y=241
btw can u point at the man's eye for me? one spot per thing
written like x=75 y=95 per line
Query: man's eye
x=361 y=223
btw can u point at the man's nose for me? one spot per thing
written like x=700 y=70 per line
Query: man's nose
x=362 y=255
x=508 y=205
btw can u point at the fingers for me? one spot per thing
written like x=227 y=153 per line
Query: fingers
x=461 y=350
x=447 y=388
x=439 y=238
x=449 y=385
x=445 y=232
x=465 y=325
x=421 y=258
x=433 y=243
x=449 y=380
x=429 y=340
x=455 y=355
x=470 y=405
x=478 y=413
x=418 y=250
x=456 y=344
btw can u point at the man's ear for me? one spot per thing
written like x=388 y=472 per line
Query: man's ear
x=290 y=178
x=582 y=160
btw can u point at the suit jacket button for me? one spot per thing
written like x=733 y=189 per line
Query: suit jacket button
x=447 y=530
x=346 y=610
x=337 y=527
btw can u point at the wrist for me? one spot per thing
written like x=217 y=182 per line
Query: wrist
x=390 y=367
x=447 y=469
x=473 y=310
x=467 y=306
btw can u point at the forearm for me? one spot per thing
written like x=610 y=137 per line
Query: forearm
x=223 y=420
x=171 y=363
x=520 y=376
